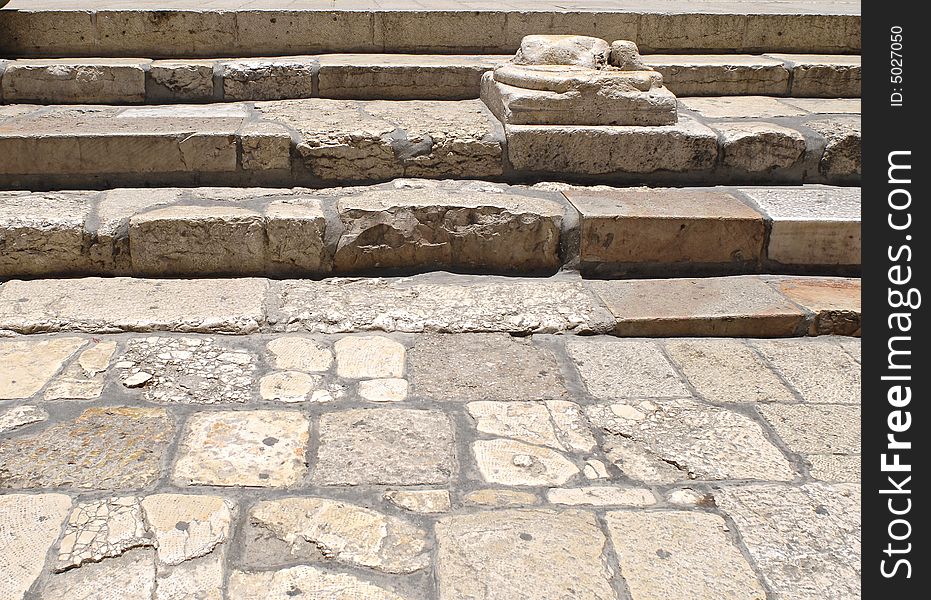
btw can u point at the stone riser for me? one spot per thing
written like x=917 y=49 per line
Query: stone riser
x=417 y=226
x=386 y=76
x=194 y=33
x=741 y=306
x=321 y=142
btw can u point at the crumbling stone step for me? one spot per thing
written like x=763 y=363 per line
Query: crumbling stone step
x=388 y=76
x=422 y=225
x=182 y=29
x=740 y=306
x=318 y=142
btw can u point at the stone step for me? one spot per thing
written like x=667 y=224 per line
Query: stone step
x=318 y=142
x=186 y=28
x=737 y=306
x=388 y=76
x=420 y=225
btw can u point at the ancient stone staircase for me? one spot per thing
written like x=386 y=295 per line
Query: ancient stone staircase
x=180 y=170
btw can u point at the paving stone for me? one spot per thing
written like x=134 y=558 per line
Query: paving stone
x=637 y=462
x=464 y=368
x=286 y=583
x=436 y=228
x=601 y=150
x=595 y=469
x=826 y=106
x=173 y=81
x=834 y=301
x=383 y=390
x=662 y=226
x=115 y=304
x=687 y=497
x=713 y=306
x=317 y=529
x=500 y=498
x=625 y=368
x=836 y=428
x=268 y=78
x=824 y=75
x=20 y=416
x=557 y=424
x=805 y=541
x=811 y=226
x=432 y=304
x=758 y=147
x=852 y=346
x=100 y=529
x=510 y=462
x=200 y=578
x=820 y=370
x=601 y=496
x=741 y=107
x=717 y=75
x=27 y=366
x=668 y=554
x=385 y=446
x=701 y=441
x=187 y=370
x=522 y=554
x=299 y=353
x=83 y=379
x=262 y=448
x=371 y=356
x=295 y=230
x=29 y=525
x=130 y=576
x=834 y=468
x=187 y=526
x=75 y=80
x=713 y=365
x=109 y=448
x=287 y=386
x=265 y=147
x=841 y=159
x=420 y=501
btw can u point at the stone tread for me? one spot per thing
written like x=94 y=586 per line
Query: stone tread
x=421 y=225
x=315 y=142
x=439 y=302
x=389 y=76
x=198 y=473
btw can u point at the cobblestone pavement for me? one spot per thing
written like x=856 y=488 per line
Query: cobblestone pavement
x=411 y=466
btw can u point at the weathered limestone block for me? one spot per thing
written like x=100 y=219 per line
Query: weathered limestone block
x=80 y=80
x=721 y=75
x=308 y=581
x=742 y=107
x=579 y=50
x=435 y=229
x=841 y=158
x=626 y=56
x=20 y=416
x=757 y=147
x=27 y=366
x=294 y=231
x=835 y=302
x=823 y=75
x=29 y=525
x=269 y=78
x=265 y=147
x=180 y=81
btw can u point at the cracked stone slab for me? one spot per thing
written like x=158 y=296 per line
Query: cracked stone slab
x=625 y=368
x=130 y=576
x=304 y=580
x=466 y=368
x=129 y=304
x=385 y=446
x=262 y=448
x=420 y=501
x=450 y=304
x=189 y=370
x=186 y=526
x=26 y=366
x=29 y=525
x=111 y=448
x=842 y=154
x=522 y=554
x=680 y=554
x=509 y=462
x=268 y=78
x=819 y=369
x=557 y=424
x=20 y=416
x=760 y=147
x=701 y=441
x=805 y=541
x=84 y=378
x=200 y=578
x=100 y=529
x=321 y=530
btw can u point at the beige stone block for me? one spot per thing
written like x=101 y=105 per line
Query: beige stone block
x=579 y=50
x=601 y=496
x=30 y=525
x=834 y=301
x=175 y=33
x=509 y=462
x=500 y=497
x=383 y=390
x=206 y=520
x=268 y=78
x=823 y=75
x=841 y=159
x=667 y=31
x=713 y=306
x=265 y=147
x=612 y=368
x=47 y=32
x=668 y=554
x=556 y=424
x=27 y=366
x=269 y=33
x=130 y=575
x=834 y=468
x=99 y=529
x=819 y=369
x=624 y=228
x=826 y=106
x=838 y=31
x=295 y=231
x=443 y=31
x=280 y=585
x=180 y=81
x=20 y=416
x=287 y=386
x=200 y=578
x=300 y=354
x=741 y=107
x=83 y=80
x=837 y=430
x=721 y=75
x=369 y=357
x=759 y=147
x=420 y=501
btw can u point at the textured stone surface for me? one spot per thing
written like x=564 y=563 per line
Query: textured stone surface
x=624 y=228
x=841 y=159
x=304 y=580
x=84 y=378
x=719 y=306
x=84 y=80
x=110 y=448
x=834 y=468
x=834 y=301
x=819 y=369
x=522 y=554
x=100 y=529
x=580 y=50
x=454 y=304
x=26 y=366
x=557 y=424
x=712 y=366
x=180 y=81
x=625 y=368
x=385 y=446
x=601 y=496
x=187 y=526
x=806 y=541
x=827 y=106
x=20 y=416
x=759 y=147
x=263 y=448
x=370 y=356
x=824 y=75
x=319 y=529
x=29 y=525
x=130 y=576
x=383 y=390
x=500 y=497
x=671 y=554
x=299 y=353
x=268 y=78
x=510 y=462
x=837 y=428
x=717 y=75
x=287 y=386
x=703 y=442
x=741 y=107
x=420 y=501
